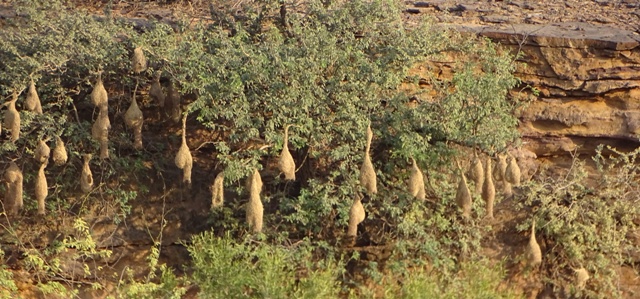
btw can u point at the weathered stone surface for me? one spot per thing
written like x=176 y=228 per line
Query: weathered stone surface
x=582 y=56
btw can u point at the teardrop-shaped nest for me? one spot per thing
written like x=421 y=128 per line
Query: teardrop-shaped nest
x=172 y=103
x=32 y=102
x=500 y=169
x=254 y=206
x=155 y=92
x=534 y=253
x=582 y=275
x=217 y=191
x=12 y=120
x=12 y=173
x=138 y=61
x=101 y=126
x=356 y=216
x=99 y=96
x=59 y=152
x=368 y=178
x=183 y=156
x=42 y=152
x=133 y=117
x=41 y=189
x=15 y=194
x=86 y=177
x=488 y=189
x=368 y=175
x=104 y=149
x=512 y=173
x=255 y=211
x=463 y=196
x=476 y=174
x=286 y=164
x=254 y=184
x=416 y=182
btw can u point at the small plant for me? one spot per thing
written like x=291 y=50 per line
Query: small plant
x=586 y=224
x=224 y=268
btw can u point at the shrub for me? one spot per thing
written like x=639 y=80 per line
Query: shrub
x=585 y=216
x=224 y=268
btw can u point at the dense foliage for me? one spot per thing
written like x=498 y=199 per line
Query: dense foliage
x=242 y=75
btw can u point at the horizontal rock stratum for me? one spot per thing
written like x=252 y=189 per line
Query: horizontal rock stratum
x=589 y=81
x=588 y=74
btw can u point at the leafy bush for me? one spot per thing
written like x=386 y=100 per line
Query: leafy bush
x=474 y=279
x=226 y=269
x=328 y=69
x=7 y=285
x=585 y=216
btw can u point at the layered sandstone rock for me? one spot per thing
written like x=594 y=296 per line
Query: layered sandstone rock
x=588 y=73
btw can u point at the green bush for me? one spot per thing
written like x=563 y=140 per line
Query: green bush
x=584 y=217
x=474 y=280
x=330 y=70
x=224 y=268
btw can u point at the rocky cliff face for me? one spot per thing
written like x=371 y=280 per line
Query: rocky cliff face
x=589 y=82
x=588 y=74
